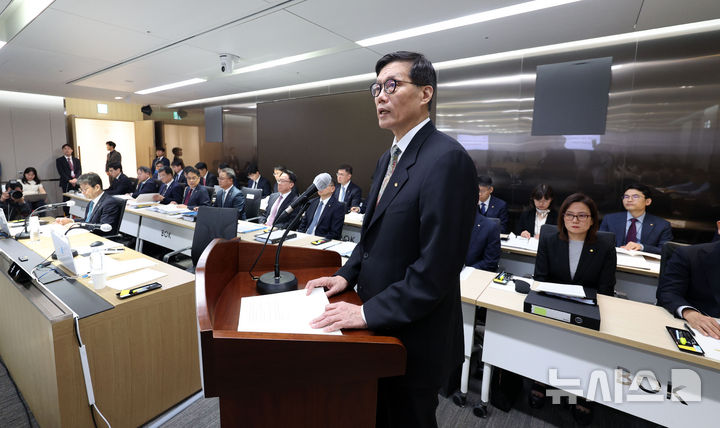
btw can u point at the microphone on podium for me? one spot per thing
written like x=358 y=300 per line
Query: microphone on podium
x=279 y=281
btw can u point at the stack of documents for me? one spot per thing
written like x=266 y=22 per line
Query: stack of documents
x=169 y=209
x=520 y=242
x=637 y=261
x=289 y=312
x=344 y=248
x=708 y=344
x=566 y=291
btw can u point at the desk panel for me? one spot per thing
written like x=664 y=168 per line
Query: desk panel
x=165 y=234
x=531 y=349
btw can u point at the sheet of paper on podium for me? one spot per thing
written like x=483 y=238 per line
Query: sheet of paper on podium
x=289 y=312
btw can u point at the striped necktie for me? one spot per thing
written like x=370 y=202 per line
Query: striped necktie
x=391 y=168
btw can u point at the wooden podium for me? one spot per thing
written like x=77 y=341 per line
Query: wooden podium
x=284 y=380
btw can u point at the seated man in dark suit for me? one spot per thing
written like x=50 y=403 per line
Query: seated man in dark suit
x=160 y=162
x=195 y=195
x=484 y=250
x=207 y=178
x=146 y=184
x=493 y=207
x=256 y=181
x=120 y=184
x=13 y=202
x=348 y=192
x=636 y=229
x=178 y=167
x=102 y=209
x=230 y=196
x=689 y=287
x=325 y=216
x=170 y=191
x=280 y=200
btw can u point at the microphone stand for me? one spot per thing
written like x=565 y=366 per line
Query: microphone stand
x=25 y=234
x=280 y=281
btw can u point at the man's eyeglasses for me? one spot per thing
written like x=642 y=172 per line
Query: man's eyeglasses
x=390 y=86
x=580 y=217
x=635 y=196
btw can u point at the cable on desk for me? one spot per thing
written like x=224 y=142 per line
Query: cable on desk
x=86 y=373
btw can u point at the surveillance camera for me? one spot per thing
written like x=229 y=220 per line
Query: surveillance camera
x=226 y=63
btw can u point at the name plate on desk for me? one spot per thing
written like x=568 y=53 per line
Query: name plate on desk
x=168 y=235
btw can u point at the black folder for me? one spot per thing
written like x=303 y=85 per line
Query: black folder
x=561 y=309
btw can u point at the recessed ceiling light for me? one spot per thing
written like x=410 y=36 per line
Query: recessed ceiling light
x=118 y=98
x=657 y=33
x=171 y=86
x=475 y=18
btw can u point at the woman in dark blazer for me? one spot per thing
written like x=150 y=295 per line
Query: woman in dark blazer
x=541 y=212
x=574 y=255
x=577 y=227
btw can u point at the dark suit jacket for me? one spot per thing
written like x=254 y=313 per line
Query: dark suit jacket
x=498 y=209
x=113 y=156
x=149 y=186
x=716 y=237
x=165 y=161
x=411 y=251
x=692 y=278
x=64 y=170
x=331 y=219
x=107 y=211
x=120 y=186
x=173 y=193
x=484 y=250
x=285 y=203
x=235 y=199
x=210 y=181
x=527 y=220
x=263 y=184
x=182 y=178
x=655 y=232
x=596 y=268
x=199 y=197
x=353 y=195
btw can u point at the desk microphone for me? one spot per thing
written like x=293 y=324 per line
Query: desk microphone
x=95 y=226
x=24 y=234
x=320 y=182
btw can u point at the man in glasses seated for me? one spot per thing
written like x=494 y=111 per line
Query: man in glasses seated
x=636 y=229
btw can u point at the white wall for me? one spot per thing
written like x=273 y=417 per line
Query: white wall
x=32 y=132
x=90 y=138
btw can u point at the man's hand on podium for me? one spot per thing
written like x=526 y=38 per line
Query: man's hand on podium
x=337 y=315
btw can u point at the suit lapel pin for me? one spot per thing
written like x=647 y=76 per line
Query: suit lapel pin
x=591 y=250
x=395 y=184
x=652 y=224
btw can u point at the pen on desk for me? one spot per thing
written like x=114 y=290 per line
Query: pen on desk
x=687 y=327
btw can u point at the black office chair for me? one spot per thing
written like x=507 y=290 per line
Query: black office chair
x=115 y=234
x=608 y=237
x=211 y=193
x=211 y=223
x=668 y=249
x=252 y=203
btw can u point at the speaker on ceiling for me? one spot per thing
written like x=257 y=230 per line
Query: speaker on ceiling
x=147 y=110
x=182 y=114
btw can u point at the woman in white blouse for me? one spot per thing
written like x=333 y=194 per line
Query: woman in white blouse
x=31 y=182
x=531 y=220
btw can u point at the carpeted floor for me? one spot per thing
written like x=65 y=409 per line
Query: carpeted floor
x=205 y=413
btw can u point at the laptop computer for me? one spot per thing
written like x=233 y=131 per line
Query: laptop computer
x=4 y=228
x=64 y=254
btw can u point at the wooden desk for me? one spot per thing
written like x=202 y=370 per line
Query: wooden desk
x=632 y=336
x=143 y=353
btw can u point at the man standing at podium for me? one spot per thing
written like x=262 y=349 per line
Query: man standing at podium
x=414 y=239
